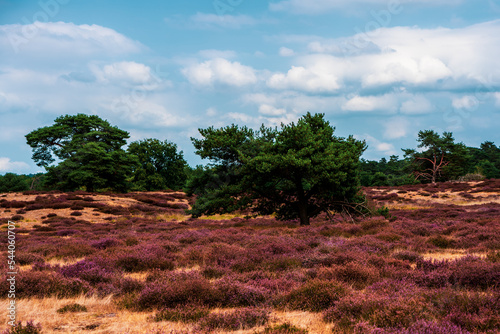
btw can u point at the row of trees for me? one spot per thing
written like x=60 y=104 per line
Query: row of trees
x=90 y=155
x=296 y=171
x=439 y=159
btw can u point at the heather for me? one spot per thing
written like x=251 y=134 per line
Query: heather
x=431 y=265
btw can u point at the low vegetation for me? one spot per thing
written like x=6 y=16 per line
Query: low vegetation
x=430 y=264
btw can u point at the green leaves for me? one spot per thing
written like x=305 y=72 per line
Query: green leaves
x=297 y=171
x=89 y=151
x=160 y=165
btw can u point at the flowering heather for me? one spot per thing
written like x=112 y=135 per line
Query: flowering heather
x=426 y=269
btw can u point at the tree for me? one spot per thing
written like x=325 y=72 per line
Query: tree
x=297 y=171
x=441 y=156
x=89 y=151
x=160 y=165
x=13 y=182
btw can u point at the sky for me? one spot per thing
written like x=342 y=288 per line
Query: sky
x=380 y=70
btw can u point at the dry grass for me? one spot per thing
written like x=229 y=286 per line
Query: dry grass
x=454 y=254
x=103 y=316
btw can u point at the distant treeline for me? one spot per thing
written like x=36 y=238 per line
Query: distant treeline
x=477 y=163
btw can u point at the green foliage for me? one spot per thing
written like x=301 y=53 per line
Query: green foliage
x=89 y=151
x=160 y=165
x=297 y=171
x=75 y=307
x=441 y=158
x=13 y=182
x=30 y=328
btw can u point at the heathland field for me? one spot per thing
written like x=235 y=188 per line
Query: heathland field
x=136 y=263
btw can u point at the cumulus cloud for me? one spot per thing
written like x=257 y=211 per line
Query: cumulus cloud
x=316 y=78
x=220 y=70
x=6 y=165
x=269 y=110
x=408 y=57
x=126 y=71
x=386 y=103
x=465 y=102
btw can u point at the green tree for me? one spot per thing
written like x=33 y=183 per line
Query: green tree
x=441 y=157
x=297 y=171
x=13 y=182
x=160 y=165
x=89 y=151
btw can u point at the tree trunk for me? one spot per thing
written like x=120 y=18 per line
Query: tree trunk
x=303 y=215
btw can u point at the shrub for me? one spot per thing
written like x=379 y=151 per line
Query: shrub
x=233 y=293
x=235 y=320
x=170 y=294
x=72 y=308
x=442 y=242
x=407 y=255
x=315 y=296
x=30 y=328
x=182 y=314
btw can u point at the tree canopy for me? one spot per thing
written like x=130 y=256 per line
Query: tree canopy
x=297 y=171
x=441 y=157
x=89 y=151
x=160 y=165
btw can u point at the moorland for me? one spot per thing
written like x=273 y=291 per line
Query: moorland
x=137 y=263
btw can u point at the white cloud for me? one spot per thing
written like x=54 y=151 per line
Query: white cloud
x=204 y=20
x=409 y=57
x=6 y=165
x=268 y=110
x=386 y=103
x=222 y=71
x=377 y=145
x=60 y=38
x=316 y=78
x=126 y=71
x=417 y=104
x=286 y=52
x=465 y=102
x=396 y=128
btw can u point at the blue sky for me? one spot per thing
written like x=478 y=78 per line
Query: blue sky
x=379 y=69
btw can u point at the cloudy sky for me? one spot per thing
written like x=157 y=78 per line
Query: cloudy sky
x=379 y=69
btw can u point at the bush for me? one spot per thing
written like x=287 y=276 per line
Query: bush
x=182 y=314
x=315 y=296
x=72 y=308
x=30 y=328
x=235 y=320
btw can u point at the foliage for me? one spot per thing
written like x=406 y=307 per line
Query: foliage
x=75 y=307
x=89 y=150
x=29 y=328
x=298 y=171
x=13 y=182
x=441 y=158
x=160 y=165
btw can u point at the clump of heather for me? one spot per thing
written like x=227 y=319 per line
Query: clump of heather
x=315 y=295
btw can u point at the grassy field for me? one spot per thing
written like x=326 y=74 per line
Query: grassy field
x=135 y=263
